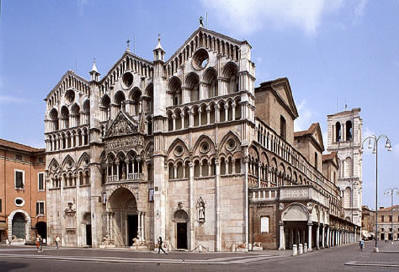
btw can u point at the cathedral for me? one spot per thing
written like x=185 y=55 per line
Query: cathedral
x=188 y=149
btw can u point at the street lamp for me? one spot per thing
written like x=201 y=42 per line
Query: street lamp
x=373 y=144
x=391 y=192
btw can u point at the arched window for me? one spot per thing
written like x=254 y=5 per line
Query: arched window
x=65 y=116
x=210 y=78
x=171 y=170
x=192 y=83
x=338 y=132
x=283 y=128
x=230 y=72
x=349 y=131
x=54 y=119
x=75 y=114
x=119 y=100
x=105 y=107
x=176 y=91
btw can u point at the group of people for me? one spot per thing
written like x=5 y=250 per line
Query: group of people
x=40 y=241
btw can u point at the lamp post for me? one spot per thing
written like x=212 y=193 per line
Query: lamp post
x=373 y=144
x=391 y=192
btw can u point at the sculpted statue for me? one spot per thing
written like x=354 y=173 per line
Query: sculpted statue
x=201 y=210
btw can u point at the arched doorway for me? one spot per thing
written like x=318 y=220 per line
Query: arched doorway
x=123 y=217
x=181 y=219
x=18 y=226
x=295 y=219
x=87 y=229
x=41 y=228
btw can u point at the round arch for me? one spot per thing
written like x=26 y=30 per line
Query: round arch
x=27 y=224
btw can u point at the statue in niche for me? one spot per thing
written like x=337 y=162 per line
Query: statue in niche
x=201 y=210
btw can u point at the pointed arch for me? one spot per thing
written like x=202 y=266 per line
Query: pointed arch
x=84 y=159
x=68 y=161
x=176 y=142
x=202 y=139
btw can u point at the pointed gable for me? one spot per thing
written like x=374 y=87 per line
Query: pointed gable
x=121 y=126
x=70 y=80
x=314 y=132
x=283 y=90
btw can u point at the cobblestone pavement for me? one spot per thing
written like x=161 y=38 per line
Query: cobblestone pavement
x=345 y=258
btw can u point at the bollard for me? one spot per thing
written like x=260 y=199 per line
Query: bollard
x=300 y=249
x=305 y=248
x=294 y=250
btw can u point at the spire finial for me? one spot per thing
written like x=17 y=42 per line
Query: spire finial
x=128 y=45
x=201 y=21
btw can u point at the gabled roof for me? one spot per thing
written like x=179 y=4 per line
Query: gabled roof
x=19 y=147
x=286 y=98
x=126 y=53
x=68 y=73
x=314 y=132
x=210 y=32
x=331 y=157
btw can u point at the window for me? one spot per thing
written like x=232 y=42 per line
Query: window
x=40 y=181
x=1 y=206
x=390 y=218
x=19 y=179
x=283 y=126
x=41 y=160
x=40 y=208
x=349 y=131
x=151 y=195
x=264 y=224
x=19 y=202
x=315 y=160
x=337 y=132
x=382 y=218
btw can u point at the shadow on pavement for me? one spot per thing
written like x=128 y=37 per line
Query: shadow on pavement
x=9 y=266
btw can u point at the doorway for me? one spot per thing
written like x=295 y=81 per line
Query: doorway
x=182 y=236
x=41 y=228
x=88 y=234
x=382 y=236
x=132 y=224
x=18 y=225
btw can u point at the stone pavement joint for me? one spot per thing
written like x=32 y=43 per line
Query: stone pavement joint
x=218 y=261
x=356 y=263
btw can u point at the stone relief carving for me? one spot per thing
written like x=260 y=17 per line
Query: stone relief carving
x=121 y=126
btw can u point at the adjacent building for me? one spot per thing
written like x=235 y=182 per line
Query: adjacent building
x=368 y=222
x=388 y=223
x=345 y=138
x=188 y=149
x=22 y=192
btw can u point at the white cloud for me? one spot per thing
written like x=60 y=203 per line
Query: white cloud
x=246 y=17
x=360 y=7
x=305 y=117
x=81 y=5
x=11 y=99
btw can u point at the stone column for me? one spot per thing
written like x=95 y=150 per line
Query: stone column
x=139 y=225
x=282 y=237
x=318 y=236
x=217 y=190
x=323 y=236
x=309 y=236
x=190 y=117
x=328 y=236
x=259 y=182
x=192 y=206
x=208 y=115
x=217 y=113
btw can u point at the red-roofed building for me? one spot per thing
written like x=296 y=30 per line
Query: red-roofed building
x=22 y=192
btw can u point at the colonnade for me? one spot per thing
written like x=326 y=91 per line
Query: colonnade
x=317 y=235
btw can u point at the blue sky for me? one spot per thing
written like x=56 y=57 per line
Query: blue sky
x=333 y=52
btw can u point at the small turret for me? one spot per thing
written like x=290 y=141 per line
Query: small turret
x=159 y=53
x=94 y=74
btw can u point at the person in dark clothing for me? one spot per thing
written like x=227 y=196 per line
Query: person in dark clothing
x=160 y=242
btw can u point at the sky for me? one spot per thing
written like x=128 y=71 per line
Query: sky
x=334 y=53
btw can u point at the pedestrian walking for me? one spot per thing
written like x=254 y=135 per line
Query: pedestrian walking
x=38 y=243
x=57 y=241
x=361 y=244
x=160 y=242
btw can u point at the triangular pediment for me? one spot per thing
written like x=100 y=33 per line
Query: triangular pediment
x=121 y=126
x=317 y=135
x=283 y=90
